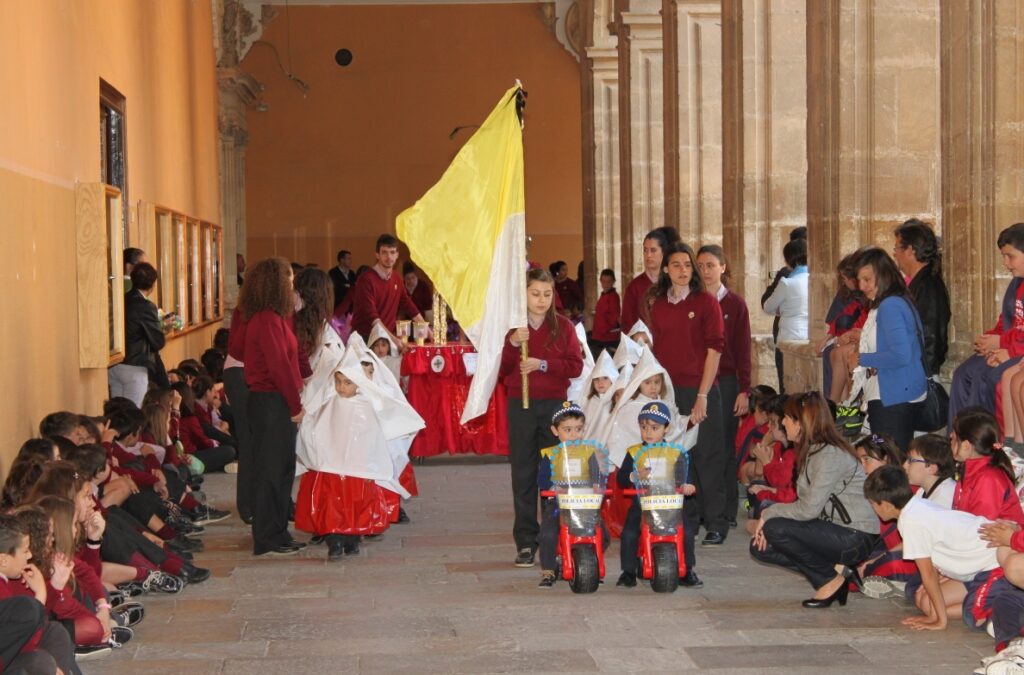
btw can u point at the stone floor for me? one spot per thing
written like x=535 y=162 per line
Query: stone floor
x=440 y=595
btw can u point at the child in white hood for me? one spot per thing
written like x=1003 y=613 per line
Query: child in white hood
x=599 y=389
x=578 y=385
x=383 y=345
x=347 y=460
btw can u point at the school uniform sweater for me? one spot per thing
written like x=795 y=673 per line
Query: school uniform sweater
x=683 y=334
x=271 y=358
x=564 y=356
x=633 y=300
x=606 y=317
x=736 y=355
x=375 y=297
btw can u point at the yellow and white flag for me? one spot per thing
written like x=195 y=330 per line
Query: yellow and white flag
x=468 y=233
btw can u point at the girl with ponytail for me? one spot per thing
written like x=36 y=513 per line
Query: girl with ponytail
x=985 y=478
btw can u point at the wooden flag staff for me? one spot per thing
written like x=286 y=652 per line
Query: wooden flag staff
x=524 y=347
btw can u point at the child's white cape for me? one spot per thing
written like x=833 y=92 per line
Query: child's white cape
x=641 y=327
x=319 y=386
x=628 y=352
x=579 y=386
x=398 y=443
x=351 y=436
x=622 y=429
x=597 y=407
x=394 y=359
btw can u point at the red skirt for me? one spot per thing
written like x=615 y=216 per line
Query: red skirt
x=407 y=479
x=333 y=504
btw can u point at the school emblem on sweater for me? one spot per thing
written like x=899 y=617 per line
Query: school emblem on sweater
x=691 y=315
x=437 y=363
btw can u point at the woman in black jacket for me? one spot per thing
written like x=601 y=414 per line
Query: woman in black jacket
x=919 y=257
x=143 y=340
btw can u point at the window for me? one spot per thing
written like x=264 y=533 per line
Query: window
x=113 y=157
x=190 y=254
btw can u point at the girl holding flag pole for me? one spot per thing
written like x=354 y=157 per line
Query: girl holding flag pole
x=554 y=358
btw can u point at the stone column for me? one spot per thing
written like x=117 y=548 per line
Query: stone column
x=693 y=119
x=873 y=145
x=982 y=174
x=641 y=127
x=764 y=156
x=602 y=234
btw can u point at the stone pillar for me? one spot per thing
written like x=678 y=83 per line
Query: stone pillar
x=641 y=127
x=602 y=234
x=693 y=119
x=764 y=156
x=982 y=176
x=873 y=145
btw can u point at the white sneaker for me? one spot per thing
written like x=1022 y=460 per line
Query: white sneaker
x=231 y=467
x=1011 y=666
x=1014 y=650
x=880 y=587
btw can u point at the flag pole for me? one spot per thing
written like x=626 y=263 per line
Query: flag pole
x=524 y=347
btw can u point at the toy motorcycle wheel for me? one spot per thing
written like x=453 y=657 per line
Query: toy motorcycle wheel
x=585 y=574
x=665 y=578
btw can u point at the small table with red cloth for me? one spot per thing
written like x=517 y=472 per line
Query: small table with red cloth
x=438 y=384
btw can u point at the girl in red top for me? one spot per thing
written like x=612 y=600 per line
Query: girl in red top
x=689 y=337
x=634 y=299
x=555 y=357
x=985 y=479
x=605 y=334
x=734 y=367
x=271 y=357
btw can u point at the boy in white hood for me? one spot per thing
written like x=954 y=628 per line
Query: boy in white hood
x=598 y=392
x=346 y=459
x=383 y=345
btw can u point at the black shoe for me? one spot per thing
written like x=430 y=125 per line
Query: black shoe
x=132 y=589
x=297 y=544
x=247 y=520
x=691 y=580
x=195 y=575
x=547 y=580
x=335 y=548
x=89 y=653
x=713 y=539
x=627 y=579
x=839 y=596
x=525 y=558
x=732 y=523
x=851 y=575
x=119 y=635
x=403 y=517
x=183 y=543
x=129 y=613
x=204 y=515
x=278 y=550
x=351 y=547
x=318 y=539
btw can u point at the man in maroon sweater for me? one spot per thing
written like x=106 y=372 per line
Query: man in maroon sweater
x=379 y=292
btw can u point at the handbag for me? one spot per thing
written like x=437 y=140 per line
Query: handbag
x=932 y=413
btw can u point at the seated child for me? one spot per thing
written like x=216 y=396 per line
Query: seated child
x=346 y=461
x=19 y=578
x=960 y=574
x=930 y=467
x=985 y=482
x=654 y=421
x=566 y=467
x=769 y=472
x=885 y=573
x=754 y=424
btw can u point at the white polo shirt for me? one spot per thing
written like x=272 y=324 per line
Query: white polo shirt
x=950 y=538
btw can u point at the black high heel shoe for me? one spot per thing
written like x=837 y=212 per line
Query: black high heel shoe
x=851 y=575
x=839 y=596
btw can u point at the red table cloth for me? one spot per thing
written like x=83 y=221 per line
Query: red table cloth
x=438 y=385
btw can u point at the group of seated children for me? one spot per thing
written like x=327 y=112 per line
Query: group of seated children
x=98 y=511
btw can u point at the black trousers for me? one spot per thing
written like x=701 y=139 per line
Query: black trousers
x=528 y=432
x=273 y=451
x=20 y=618
x=707 y=461
x=895 y=420
x=122 y=540
x=813 y=547
x=238 y=395
x=630 y=538
x=729 y=387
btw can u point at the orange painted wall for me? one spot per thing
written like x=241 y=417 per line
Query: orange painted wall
x=52 y=55
x=332 y=169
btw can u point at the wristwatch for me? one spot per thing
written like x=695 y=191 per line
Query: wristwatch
x=543 y=366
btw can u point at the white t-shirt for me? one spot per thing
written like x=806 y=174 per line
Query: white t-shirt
x=950 y=538
x=943 y=493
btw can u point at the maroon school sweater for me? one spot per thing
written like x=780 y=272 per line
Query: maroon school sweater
x=736 y=357
x=272 y=358
x=683 y=334
x=563 y=354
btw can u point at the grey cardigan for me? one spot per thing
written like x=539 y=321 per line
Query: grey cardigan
x=829 y=470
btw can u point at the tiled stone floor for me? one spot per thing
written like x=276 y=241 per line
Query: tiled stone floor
x=440 y=595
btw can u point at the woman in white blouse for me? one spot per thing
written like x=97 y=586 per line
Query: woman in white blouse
x=789 y=299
